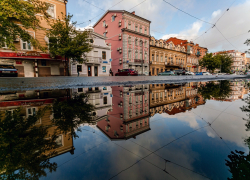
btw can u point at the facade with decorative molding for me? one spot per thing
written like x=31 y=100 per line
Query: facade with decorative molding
x=32 y=62
x=165 y=56
x=129 y=37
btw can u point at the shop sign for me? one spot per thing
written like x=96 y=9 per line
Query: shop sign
x=104 y=61
x=18 y=62
x=29 y=53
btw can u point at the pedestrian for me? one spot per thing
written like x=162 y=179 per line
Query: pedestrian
x=78 y=70
x=110 y=72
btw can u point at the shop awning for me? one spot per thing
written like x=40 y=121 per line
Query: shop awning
x=27 y=55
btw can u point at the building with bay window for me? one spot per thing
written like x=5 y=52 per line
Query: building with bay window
x=129 y=36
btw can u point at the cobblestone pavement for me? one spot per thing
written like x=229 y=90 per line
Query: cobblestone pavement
x=21 y=84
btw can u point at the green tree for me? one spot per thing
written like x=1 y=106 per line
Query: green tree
x=218 y=90
x=210 y=62
x=23 y=145
x=226 y=62
x=70 y=114
x=16 y=12
x=67 y=42
x=247 y=42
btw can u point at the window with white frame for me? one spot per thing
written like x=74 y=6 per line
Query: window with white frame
x=161 y=58
x=104 y=34
x=129 y=40
x=141 y=55
x=145 y=30
x=141 y=42
x=136 y=27
x=104 y=23
x=136 y=41
x=145 y=56
x=26 y=45
x=113 y=18
x=51 y=10
x=129 y=25
x=145 y=43
x=129 y=54
x=59 y=141
x=140 y=29
x=136 y=54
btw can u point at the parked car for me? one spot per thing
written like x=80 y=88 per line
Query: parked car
x=8 y=71
x=206 y=74
x=180 y=72
x=248 y=73
x=126 y=72
x=189 y=73
x=199 y=73
x=167 y=73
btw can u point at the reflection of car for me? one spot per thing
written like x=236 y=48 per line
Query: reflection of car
x=180 y=72
x=206 y=73
x=248 y=73
x=126 y=72
x=189 y=73
x=199 y=73
x=167 y=73
x=8 y=71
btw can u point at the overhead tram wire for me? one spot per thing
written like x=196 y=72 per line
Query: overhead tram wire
x=225 y=37
x=187 y=13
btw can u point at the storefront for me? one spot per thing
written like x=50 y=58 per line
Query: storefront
x=33 y=64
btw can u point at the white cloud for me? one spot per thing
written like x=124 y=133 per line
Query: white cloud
x=216 y=13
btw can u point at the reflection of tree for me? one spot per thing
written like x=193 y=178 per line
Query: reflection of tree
x=239 y=163
x=23 y=145
x=218 y=90
x=70 y=114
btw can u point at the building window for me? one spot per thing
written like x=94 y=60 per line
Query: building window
x=157 y=58
x=136 y=55
x=145 y=56
x=141 y=42
x=103 y=54
x=26 y=45
x=145 y=30
x=113 y=18
x=43 y=62
x=51 y=10
x=141 y=55
x=104 y=34
x=80 y=89
x=129 y=40
x=104 y=23
x=129 y=54
x=104 y=69
x=153 y=57
x=105 y=100
x=129 y=25
x=59 y=141
x=161 y=58
x=136 y=27
x=145 y=44
x=153 y=71
x=136 y=42
x=79 y=68
x=104 y=88
x=166 y=59
x=140 y=29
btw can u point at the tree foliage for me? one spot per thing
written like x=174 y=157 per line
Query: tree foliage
x=66 y=41
x=23 y=145
x=212 y=62
x=247 y=42
x=18 y=16
x=218 y=90
x=70 y=114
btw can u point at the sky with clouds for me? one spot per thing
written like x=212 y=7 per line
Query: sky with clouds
x=166 y=21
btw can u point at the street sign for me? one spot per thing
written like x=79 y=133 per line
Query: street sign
x=110 y=60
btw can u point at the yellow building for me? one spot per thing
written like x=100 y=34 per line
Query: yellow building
x=165 y=56
x=32 y=62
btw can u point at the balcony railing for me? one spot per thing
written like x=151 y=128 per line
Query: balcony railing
x=139 y=61
x=94 y=60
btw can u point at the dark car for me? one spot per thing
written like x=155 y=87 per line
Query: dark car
x=180 y=72
x=126 y=72
x=8 y=71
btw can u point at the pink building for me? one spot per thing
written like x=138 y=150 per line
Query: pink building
x=128 y=35
x=129 y=116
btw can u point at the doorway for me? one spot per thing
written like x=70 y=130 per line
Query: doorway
x=96 y=71
x=89 y=71
x=28 y=69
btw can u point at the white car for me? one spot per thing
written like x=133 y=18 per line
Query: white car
x=207 y=73
x=189 y=73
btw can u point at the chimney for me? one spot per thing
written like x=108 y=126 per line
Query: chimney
x=133 y=13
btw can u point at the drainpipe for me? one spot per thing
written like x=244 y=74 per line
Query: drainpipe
x=36 y=69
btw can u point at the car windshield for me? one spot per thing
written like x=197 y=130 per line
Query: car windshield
x=7 y=66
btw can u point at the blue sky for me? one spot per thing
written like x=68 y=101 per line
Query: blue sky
x=167 y=21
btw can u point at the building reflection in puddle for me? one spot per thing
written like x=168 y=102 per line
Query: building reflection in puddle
x=120 y=113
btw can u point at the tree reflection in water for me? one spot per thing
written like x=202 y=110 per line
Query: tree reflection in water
x=216 y=90
x=26 y=145
x=239 y=163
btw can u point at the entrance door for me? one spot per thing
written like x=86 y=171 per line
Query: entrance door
x=89 y=71
x=28 y=69
x=96 y=71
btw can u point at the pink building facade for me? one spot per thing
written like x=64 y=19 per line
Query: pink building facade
x=128 y=35
x=129 y=116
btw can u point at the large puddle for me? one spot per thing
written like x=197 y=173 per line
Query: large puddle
x=194 y=130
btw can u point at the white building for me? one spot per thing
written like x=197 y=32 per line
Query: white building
x=101 y=98
x=98 y=59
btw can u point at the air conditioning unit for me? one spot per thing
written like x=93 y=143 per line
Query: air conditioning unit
x=106 y=25
x=118 y=49
x=120 y=36
x=120 y=23
x=120 y=60
x=106 y=31
x=115 y=15
x=121 y=115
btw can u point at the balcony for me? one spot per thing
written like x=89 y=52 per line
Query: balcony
x=93 y=60
x=138 y=61
x=198 y=54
